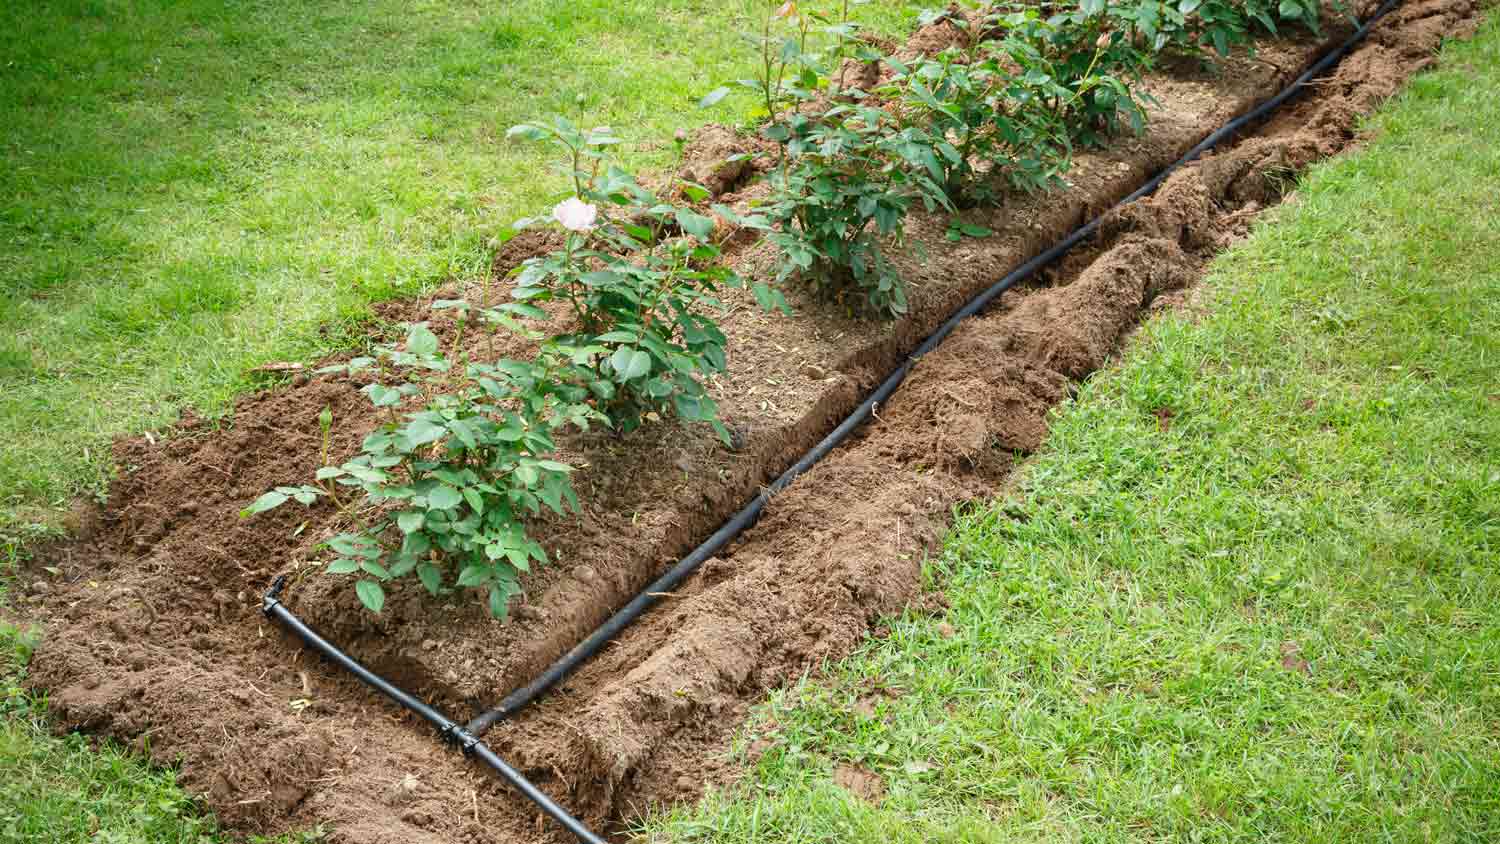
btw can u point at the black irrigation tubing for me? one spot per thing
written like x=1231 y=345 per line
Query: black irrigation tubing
x=450 y=730
x=568 y=662
x=466 y=737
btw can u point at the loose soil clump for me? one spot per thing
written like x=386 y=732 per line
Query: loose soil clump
x=153 y=631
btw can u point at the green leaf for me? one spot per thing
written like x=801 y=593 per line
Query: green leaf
x=421 y=341
x=342 y=565
x=473 y=575
x=499 y=601
x=616 y=337
x=695 y=224
x=464 y=431
x=713 y=97
x=402 y=565
x=431 y=577
x=600 y=277
x=381 y=395
x=268 y=501
x=410 y=521
x=443 y=497
x=420 y=431
x=370 y=594
x=476 y=501
x=372 y=567
x=527 y=132
x=1290 y=9
x=629 y=363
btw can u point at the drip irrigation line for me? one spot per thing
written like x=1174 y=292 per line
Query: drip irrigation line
x=580 y=653
x=451 y=731
x=466 y=737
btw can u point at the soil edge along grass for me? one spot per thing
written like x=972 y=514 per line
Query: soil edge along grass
x=1250 y=588
x=191 y=189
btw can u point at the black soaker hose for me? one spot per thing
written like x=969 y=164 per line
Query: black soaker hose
x=568 y=662
x=466 y=737
x=450 y=730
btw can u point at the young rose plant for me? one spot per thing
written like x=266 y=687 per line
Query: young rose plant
x=441 y=489
x=639 y=274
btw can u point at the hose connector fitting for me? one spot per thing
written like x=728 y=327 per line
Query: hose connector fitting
x=456 y=734
x=272 y=598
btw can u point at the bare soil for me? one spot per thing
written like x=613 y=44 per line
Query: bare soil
x=153 y=634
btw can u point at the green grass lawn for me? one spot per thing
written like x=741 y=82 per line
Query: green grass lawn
x=1278 y=619
x=189 y=189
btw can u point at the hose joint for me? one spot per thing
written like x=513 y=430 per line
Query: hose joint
x=458 y=735
x=272 y=598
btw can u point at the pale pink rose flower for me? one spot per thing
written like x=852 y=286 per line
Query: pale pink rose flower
x=575 y=214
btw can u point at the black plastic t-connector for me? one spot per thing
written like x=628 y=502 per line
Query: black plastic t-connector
x=272 y=598
x=456 y=734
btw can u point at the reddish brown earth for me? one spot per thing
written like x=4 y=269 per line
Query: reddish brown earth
x=153 y=634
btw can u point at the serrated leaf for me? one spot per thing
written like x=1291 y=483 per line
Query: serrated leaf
x=713 y=97
x=342 y=565
x=695 y=224
x=616 y=337
x=431 y=577
x=372 y=567
x=370 y=594
x=421 y=341
x=268 y=501
x=410 y=521
x=402 y=565
x=527 y=132
x=443 y=497
x=473 y=575
x=421 y=431
x=629 y=363
x=464 y=431
x=499 y=601
x=476 y=501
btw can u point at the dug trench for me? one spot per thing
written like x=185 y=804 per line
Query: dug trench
x=152 y=631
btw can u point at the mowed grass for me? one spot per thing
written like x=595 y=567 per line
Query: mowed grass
x=63 y=790
x=1276 y=616
x=190 y=189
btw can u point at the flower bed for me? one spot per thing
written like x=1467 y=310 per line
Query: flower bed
x=156 y=631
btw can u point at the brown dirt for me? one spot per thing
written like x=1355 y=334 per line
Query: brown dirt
x=153 y=633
